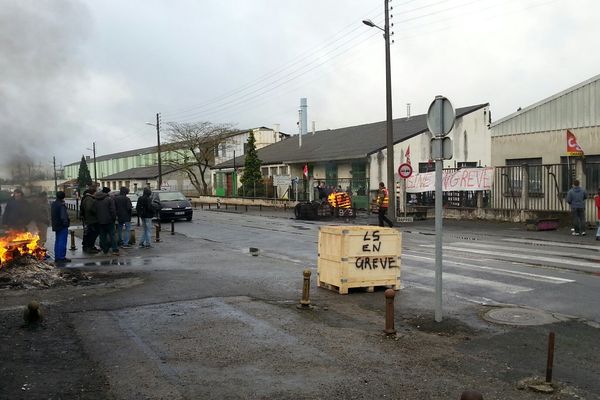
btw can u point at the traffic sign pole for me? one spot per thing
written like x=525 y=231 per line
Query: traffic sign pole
x=439 y=165
x=404 y=171
x=440 y=121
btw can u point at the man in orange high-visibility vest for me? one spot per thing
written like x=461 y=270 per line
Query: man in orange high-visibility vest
x=383 y=201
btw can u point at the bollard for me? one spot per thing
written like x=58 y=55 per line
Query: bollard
x=202 y=206
x=305 y=302
x=246 y=207
x=226 y=206
x=157 y=232
x=235 y=206
x=389 y=312
x=260 y=207
x=72 y=241
x=471 y=395
x=138 y=220
x=172 y=227
x=132 y=237
x=550 y=361
x=209 y=203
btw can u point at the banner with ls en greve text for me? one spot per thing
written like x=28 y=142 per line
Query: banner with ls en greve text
x=465 y=179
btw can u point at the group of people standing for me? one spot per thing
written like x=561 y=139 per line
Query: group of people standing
x=100 y=212
x=105 y=218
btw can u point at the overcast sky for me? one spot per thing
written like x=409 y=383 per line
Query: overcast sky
x=74 y=72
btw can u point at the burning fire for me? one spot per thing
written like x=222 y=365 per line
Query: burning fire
x=16 y=244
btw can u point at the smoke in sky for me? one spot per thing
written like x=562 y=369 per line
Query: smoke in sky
x=41 y=43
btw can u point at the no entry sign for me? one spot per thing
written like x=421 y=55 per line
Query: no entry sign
x=405 y=170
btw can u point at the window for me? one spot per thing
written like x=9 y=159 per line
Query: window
x=466 y=164
x=426 y=167
x=331 y=174
x=592 y=173
x=515 y=172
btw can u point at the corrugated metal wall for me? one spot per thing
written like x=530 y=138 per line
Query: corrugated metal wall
x=578 y=107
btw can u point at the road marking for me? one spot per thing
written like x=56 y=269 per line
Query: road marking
x=466 y=280
x=528 y=250
x=553 y=244
x=523 y=257
x=500 y=271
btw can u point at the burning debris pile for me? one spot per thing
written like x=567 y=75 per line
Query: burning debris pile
x=22 y=263
x=14 y=245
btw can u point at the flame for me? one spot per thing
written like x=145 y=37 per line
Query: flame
x=15 y=244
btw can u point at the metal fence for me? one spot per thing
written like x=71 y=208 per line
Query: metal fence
x=543 y=187
x=532 y=187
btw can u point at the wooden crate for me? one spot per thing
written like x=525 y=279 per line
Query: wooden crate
x=358 y=257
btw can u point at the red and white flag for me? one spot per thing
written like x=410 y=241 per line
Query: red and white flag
x=306 y=170
x=407 y=154
x=573 y=148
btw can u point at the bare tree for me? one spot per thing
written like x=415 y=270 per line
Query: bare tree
x=192 y=147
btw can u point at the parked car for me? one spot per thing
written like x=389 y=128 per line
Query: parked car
x=134 y=198
x=171 y=205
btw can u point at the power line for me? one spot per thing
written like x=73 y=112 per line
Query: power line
x=280 y=81
x=299 y=59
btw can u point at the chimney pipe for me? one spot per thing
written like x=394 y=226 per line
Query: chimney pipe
x=303 y=116
x=407 y=110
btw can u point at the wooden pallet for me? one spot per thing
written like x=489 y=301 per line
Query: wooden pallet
x=345 y=288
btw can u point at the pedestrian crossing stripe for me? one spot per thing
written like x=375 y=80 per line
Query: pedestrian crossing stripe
x=500 y=271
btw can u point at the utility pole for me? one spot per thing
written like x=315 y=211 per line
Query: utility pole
x=95 y=169
x=55 y=179
x=158 y=150
x=391 y=181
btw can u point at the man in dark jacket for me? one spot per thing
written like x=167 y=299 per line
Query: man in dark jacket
x=576 y=198
x=87 y=213
x=60 y=226
x=106 y=214
x=16 y=213
x=145 y=212
x=124 y=208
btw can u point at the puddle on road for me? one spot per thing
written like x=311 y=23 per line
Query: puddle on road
x=134 y=262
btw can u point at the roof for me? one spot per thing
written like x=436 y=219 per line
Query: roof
x=550 y=99
x=153 y=149
x=344 y=143
x=140 y=173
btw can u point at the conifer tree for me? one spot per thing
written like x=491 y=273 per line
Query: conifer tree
x=252 y=178
x=84 y=179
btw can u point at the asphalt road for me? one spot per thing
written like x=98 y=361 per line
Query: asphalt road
x=197 y=316
x=482 y=266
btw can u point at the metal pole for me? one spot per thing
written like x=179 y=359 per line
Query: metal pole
x=404 y=196
x=550 y=360
x=389 y=312
x=158 y=150
x=55 y=179
x=439 y=165
x=389 y=127
x=95 y=169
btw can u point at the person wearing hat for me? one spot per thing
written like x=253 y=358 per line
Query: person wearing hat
x=106 y=214
x=60 y=226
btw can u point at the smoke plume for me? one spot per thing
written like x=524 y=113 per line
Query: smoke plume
x=41 y=45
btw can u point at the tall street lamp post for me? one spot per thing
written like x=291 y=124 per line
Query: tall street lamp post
x=95 y=169
x=391 y=181
x=157 y=125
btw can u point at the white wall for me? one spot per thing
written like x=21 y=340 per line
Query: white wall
x=471 y=139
